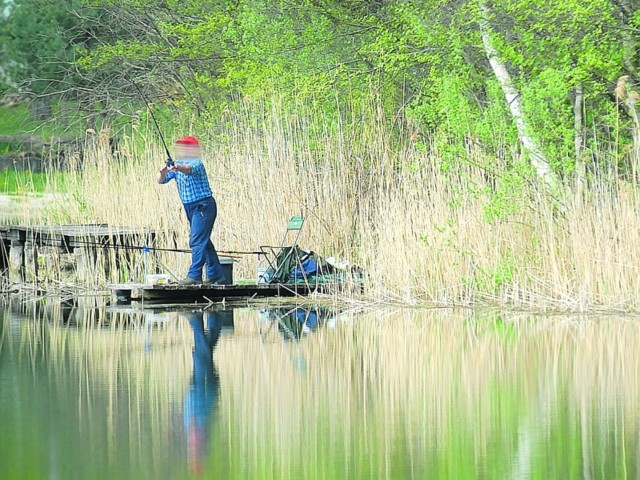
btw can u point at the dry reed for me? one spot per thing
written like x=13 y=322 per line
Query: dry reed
x=420 y=232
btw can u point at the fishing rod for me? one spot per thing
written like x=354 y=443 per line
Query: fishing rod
x=157 y=249
x=169 y=161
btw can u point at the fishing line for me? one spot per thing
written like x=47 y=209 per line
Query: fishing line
x=169 y=161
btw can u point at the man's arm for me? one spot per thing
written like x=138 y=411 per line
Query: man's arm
x=162 y=173
x=160 y=177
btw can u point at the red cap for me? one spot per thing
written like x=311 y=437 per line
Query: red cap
x=191 y=141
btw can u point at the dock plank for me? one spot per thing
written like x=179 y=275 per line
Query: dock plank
x=73 y=236
x=19 y=245
x=185 y=293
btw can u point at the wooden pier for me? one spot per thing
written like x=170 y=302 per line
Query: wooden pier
x=23 y=246
x=175 y=293
x=100 y=254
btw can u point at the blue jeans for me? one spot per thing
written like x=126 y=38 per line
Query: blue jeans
x=201 y=216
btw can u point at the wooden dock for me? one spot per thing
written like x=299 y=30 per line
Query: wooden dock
x=20 y=246
x=174 y=293
x=99 y=252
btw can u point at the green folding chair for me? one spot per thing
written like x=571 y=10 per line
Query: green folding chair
x=276 y=261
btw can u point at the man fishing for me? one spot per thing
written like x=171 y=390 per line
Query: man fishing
x=197 y=198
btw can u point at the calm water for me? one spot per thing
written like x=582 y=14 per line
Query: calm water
x=91 y=392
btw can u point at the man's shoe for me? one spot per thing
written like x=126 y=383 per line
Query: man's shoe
x=216 y=281
x=188 y=281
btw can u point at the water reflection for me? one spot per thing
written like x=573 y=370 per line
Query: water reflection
x=293 y=323
x=203 y=394
x=296 y=321
x=306 y=391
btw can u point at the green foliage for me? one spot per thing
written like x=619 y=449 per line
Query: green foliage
x=493 y=279
x=38 y=39
x=507 y=195
x=16 y=119
x=549 y=49
x=19 y=182
x=425 y=63
x=549 y=112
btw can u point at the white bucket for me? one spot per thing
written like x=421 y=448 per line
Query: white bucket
x=157 y=279
x=261 y=274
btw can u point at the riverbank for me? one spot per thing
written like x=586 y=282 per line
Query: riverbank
x=27 y=207
x=466 y=263
x=425 y=230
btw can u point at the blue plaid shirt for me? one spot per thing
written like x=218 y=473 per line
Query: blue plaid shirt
x=192 y=187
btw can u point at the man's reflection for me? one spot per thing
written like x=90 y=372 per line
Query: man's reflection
x=202 y=396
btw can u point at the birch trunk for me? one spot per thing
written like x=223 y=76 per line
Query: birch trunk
x=629 y=99
x=635 y=134
x=580 y=175
x=512 y=95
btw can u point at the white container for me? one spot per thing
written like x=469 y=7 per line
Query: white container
x=264 y=274
x=261 y=272
x=158 y=279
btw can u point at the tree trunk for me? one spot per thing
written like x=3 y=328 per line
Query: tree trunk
x=39 y=109
x=580 y=175
x=629 y=100
x=512 y=95
x=635 y=134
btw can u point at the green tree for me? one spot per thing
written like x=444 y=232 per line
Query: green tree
x=552 y=54
x=39 y=41
x=205 y=51
x=456 y=72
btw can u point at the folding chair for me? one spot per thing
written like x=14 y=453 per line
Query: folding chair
x=276 y=261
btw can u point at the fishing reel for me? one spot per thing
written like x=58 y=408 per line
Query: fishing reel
x=169 y=162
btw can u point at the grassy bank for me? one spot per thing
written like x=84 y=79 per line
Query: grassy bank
x=21 y=182
x=424 y=233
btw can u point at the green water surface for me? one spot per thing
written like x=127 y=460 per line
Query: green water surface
x=91 y=393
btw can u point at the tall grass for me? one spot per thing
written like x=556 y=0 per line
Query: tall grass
x=421 y=232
